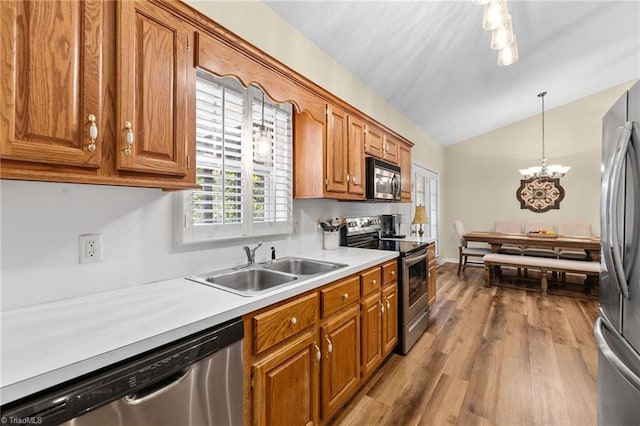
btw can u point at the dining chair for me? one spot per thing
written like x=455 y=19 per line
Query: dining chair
x=539 y=252
x=463 y=250
x=573 y=229
x=509 y=227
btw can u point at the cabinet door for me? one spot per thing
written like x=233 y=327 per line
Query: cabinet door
x=286 y=384
x=373 y=141
x=355 y=152
x=371 y=335
x=390 y=149
x=336 y=140
x=404 y=161
x=52 y=81
x=152 y=71
x=389 y=318
x=340 y=367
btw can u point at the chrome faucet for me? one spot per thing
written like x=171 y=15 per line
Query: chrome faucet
x=251 y=253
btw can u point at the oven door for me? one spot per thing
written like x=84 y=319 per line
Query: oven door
x=415 y=278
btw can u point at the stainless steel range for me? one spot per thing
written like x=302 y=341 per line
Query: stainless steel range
x=363 y=232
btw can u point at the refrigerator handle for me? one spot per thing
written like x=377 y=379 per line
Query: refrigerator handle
x=610 y=354
x=612 y=222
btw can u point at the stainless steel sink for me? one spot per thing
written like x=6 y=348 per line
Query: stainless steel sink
x=259 y=278
x=245 y=282
x=299 y=266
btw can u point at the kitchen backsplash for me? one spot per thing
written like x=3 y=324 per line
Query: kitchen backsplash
x=41 y=223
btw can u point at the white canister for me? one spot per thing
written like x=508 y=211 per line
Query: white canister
x=331 y=240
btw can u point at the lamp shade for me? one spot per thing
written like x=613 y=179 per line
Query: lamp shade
x=420 y=217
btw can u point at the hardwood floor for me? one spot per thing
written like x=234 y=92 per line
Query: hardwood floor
x=491 y=356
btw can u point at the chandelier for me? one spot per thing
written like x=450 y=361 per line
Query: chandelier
x=544 y=171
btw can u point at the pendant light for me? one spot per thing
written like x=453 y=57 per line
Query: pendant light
x=262 y=142
x=544 y=171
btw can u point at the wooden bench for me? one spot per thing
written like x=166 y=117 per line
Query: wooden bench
x=541 y=264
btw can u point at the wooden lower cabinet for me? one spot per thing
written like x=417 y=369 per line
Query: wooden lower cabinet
x=306 y=356
x=286 y=384
x=432 y=273
x=389 y=318
x=371 y=333
x=340 y=367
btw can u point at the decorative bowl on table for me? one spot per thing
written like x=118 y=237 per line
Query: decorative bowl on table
x=542 y=234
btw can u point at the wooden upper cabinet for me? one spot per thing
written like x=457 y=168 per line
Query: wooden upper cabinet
x=336 y=142
x=52 y=81
x=355 y=154
x=404 y=161
x=390 y=149
x=153 y=62
x=373 y=141
x=345 y=154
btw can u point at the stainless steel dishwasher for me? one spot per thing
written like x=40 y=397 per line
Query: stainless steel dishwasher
x=195 y=381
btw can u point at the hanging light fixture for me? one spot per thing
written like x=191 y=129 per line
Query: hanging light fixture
x=494 y=14
x=509 y=54
x=262 y=141
x=544 y=171
x=496 y=18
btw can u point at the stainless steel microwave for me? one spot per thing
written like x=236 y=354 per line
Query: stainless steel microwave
x=383 y=180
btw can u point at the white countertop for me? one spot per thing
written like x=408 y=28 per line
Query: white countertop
x=47 y=344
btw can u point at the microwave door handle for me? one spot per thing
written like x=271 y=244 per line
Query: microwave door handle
x=395 y=188
x=613 y=225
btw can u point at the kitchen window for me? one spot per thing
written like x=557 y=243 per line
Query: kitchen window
x=246 y=189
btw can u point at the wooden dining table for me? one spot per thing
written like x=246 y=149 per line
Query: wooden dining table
x=590 y=245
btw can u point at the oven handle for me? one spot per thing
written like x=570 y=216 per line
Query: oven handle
x=415 y=258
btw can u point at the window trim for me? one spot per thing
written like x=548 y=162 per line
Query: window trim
x=188 y=232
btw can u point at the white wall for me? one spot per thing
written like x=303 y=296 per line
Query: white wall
x=482 y=173
x=41 y=223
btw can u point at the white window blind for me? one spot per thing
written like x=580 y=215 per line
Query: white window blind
x=241 y=194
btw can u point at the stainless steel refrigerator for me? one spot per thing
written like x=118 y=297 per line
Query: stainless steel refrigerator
x=617 y=330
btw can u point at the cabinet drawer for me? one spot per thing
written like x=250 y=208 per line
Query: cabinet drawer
x=339 y=295
x=277 y=324
x=389 y=272
x=370 y=280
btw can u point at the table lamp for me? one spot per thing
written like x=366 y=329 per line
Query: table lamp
x=420 y=218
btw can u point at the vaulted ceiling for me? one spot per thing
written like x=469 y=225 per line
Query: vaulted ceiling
x=432 y=60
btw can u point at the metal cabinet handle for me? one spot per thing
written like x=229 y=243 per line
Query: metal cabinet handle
x=347 y=176
x=374 y=282
x=329 y=345
x=129 y=127
x=318 y=353
x=294 y=321
x=345 y=296
x=388 y=303
x=381 y=308
x=93 y=132
x=393 y=273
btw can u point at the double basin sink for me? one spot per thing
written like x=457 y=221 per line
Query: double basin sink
x=255 y=279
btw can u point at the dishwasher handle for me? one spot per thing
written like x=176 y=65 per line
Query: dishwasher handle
x=157 y=388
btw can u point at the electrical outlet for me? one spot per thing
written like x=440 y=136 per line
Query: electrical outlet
x=90 y=248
